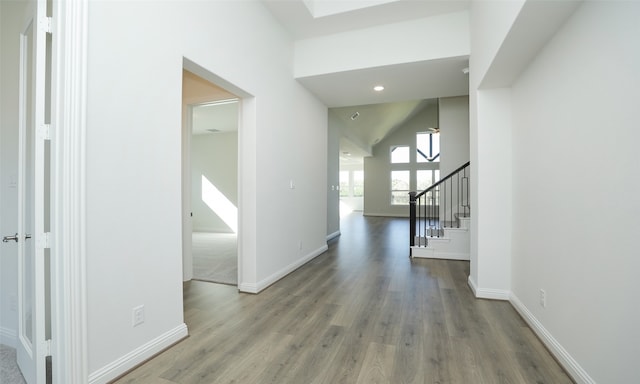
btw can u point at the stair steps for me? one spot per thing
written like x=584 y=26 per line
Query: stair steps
x=452 y=244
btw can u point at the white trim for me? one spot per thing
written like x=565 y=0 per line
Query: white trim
x=574 y=369
x=264 y=283
x=68 y=197
x=431 y=253
x=8 y=337
x=333 y=235
x=139 y=355
x=399 y=216
x=488 y=293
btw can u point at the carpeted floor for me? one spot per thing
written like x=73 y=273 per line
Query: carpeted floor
x=9 y=371
x=215 y=257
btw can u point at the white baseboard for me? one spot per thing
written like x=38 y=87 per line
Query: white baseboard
x=572 y=367
x=333 y=235
x=488 y=293
x=8 y=337
x=139 y=355
x=264 y=283
x=212 y=230
x=384 y=214
x=427 y=253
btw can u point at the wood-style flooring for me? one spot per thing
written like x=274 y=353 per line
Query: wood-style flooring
x=363 y=312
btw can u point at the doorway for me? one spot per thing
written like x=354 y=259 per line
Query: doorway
x=210 y=181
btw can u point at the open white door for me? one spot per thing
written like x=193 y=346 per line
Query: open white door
x=32 y=239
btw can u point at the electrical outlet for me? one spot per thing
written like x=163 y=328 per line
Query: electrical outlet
x=543 y=298
x=138 y=315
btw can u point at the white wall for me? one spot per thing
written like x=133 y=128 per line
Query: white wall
x=214 y=156
x=453 y=116
x=576 y=188
x=403 y=42
x=489 y=138
x=134 y=160
x=333 y=179
x=11 y=24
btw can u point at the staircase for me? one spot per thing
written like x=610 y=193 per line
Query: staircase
x=440 y=218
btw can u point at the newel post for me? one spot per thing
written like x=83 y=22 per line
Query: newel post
x=412 y=219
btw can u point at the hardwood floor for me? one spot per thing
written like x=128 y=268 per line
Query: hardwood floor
x=363 y=312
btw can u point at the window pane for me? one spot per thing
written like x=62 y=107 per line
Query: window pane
x=424 y=179
x=358 y=183
x=399 y=154
x=422 y=147
x=400 y=198
x=435 y=146
x=427 y=147
x=400 y=180
x=344 y=183
x=400 y=187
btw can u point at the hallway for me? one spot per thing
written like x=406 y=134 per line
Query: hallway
x=362 y=312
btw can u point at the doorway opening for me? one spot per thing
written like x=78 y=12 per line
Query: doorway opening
x=210 y=180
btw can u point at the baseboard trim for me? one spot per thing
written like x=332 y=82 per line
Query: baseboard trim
x=377 y=214
x=488 y=293
x=333 y=235
x=426 y=253
x=8 y=337
x=572 y=367
x=264 y=283
x=139 y=355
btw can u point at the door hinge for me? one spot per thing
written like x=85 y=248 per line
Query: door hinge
x=45 y=24
x=46 y=240
x=44 y=131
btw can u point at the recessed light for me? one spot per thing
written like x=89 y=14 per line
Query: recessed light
x=378 y=88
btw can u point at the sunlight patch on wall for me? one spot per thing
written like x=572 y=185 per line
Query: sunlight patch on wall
x=345 y=209
x=219 y=204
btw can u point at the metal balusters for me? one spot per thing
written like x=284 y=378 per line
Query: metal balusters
x=438 y=207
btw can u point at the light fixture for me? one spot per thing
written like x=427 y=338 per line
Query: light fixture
x=378 y=88
x=465 y=70
x=355 y=115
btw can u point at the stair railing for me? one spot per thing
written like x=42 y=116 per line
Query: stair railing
x=439 y=206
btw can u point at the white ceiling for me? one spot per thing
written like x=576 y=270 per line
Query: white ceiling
x=215 y=118
x=402 y=82
x=406 y=85
x=209 y=109
x=297 y=19
x=375 y=121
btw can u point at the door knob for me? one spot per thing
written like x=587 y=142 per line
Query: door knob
x=6 y=239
